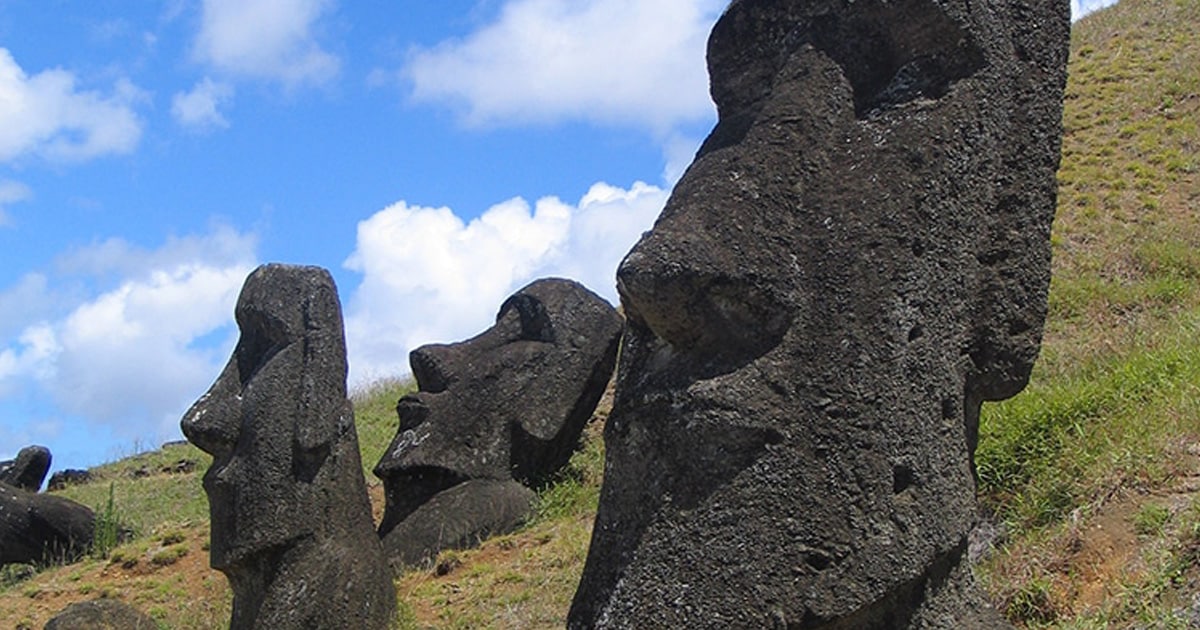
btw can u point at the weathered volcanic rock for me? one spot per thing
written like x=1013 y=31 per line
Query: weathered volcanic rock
x=28 y=470
x=68 y=477
x=857 y=258
x=41 y=528
x=291 y=523
x=101 y=614
x=497 y=411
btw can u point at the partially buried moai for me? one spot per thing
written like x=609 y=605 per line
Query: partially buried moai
x=495 y=414
x=857 y=258
x=291 y=522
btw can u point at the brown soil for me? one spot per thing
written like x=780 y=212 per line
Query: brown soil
x=183 y=592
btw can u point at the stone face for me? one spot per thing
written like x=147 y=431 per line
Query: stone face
x=28 y=470
x=856 y=259
x=291 y=523
x=502 y=409
x=41 y=528
x=100 y=614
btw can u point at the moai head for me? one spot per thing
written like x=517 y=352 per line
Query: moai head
x=856 y=259
x=286 y=492
x=275 y=414
x=505 y=406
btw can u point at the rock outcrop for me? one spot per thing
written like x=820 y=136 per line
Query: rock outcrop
x=857 y=258
x=291 y=523
x=28 y=470
x=68 y=477
x=101 y=614
x=493 y=415
x=42 y=528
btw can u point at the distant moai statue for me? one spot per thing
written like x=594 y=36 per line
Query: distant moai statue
x=858 y=257
x=28 y=470
x=494 y=415
x=291 y=522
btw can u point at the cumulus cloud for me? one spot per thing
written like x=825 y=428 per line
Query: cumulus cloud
x=266 y=39
x=608 y=61
x=49 y=116
x=200 y=109
x=11 y=192
x=429 y=276
x=130 y=357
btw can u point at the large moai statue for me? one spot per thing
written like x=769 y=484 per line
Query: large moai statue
x=494 y=415
x=857 y=258
x=291 y=522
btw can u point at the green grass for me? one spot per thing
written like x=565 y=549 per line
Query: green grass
x=375 y=418
x=144 y=499
x=1112 y=413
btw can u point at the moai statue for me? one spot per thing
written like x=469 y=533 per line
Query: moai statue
x=28 y=470
x=857 y=258
x=495 y=414
x=291 y=522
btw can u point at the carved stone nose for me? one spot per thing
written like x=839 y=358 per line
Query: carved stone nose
x=430 y=368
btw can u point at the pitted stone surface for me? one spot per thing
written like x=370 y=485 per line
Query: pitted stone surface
x=291 y=523
x=101 y=614
x=857 y=258
x=502 y=409
x=42 y=528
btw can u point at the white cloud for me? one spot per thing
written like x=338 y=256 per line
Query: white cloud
x=26 y=301
x=266 y=39
x=131 y=357
x=48 y=115
x=222 y=247
x=428 y=276
x=200 y=109
x=11 y=192
x=608 y=61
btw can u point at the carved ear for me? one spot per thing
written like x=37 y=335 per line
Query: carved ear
x=324 y=413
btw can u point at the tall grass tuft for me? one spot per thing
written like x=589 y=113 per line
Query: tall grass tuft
x=107 y=531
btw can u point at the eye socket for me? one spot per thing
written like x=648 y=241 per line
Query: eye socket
x=533 y=318
x=262 y=338
x=889 y=60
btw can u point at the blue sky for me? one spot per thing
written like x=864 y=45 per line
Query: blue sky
x=435 y=156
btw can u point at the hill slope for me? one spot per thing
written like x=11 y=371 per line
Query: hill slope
x=1089 y=478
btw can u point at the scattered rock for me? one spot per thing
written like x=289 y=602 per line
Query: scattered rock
x=180 y=467
x=101 y=614
x=291 y=523
x=42 y=528
x=856 y=259
x=497 y=411
x=28 y=470
x=69 y=476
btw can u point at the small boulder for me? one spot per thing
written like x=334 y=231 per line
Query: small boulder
x=101 y=614
x=68 y=477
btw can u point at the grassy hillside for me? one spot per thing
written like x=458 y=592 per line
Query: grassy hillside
x=1090 y=478
x=1092 y=472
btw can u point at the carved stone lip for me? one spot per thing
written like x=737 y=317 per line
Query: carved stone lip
x=411 y=487
x=412 y=410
